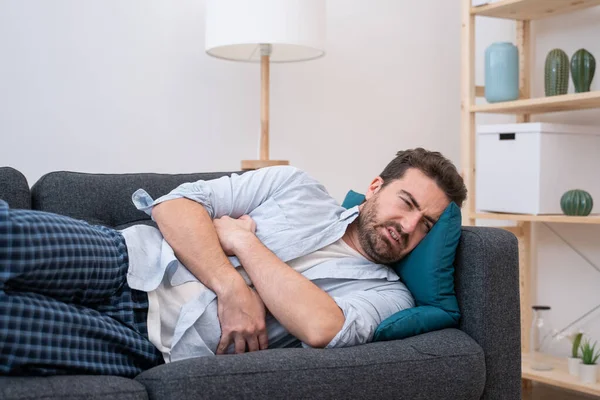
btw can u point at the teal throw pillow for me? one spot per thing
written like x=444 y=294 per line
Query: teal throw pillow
x=353 y=199
x=428 y=272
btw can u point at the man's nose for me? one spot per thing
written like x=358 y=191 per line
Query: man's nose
x=410 y=222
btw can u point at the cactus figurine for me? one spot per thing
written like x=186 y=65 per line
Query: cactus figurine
x=556 y=77
x=576 y=202
x=583 y=67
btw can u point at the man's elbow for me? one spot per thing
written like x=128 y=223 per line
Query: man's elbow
x=319 y=338
x=319 y=342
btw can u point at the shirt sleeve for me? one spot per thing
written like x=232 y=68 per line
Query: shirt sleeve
x=365 y=310
x=233 y=195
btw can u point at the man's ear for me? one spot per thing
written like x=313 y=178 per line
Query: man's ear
x=374 y=187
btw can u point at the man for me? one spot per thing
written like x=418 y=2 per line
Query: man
x=262 y=259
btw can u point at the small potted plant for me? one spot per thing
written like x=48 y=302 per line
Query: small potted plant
x=575 y=360
x=588 y=369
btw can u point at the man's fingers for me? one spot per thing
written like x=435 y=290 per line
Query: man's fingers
x=240 y=344
x=251 y=224
x=263 y=340
x=224 y=343
x=252 y=343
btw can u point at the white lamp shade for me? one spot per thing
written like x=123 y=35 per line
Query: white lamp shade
x=295 y=29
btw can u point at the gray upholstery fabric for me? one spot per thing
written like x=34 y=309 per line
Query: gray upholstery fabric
x=71 y=388
x=104 y=199
x=487 y=287
x=445 y=364
x=14 y=188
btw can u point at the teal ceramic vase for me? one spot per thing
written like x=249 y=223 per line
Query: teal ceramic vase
x=583 y=67
x=556 y=73
x=501 y=72
x=576 y=202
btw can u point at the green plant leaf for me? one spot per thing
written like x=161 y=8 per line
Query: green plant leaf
x=589 y=355
x=576 y=344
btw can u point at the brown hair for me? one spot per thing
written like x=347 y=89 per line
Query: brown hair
x=434 y=165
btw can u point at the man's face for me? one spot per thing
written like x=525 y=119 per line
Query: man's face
x=395 y=218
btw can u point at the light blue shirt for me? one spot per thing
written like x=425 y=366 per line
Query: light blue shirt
x=294 y=216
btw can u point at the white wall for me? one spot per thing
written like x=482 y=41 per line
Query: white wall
x=125 y=86
x=565 y=281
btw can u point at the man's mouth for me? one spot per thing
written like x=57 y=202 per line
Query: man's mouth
x=393 y=235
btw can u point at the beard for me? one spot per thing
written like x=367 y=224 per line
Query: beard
x=375 y=243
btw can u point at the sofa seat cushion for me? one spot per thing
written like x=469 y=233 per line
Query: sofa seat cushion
x=71 y=387
x=444 y=364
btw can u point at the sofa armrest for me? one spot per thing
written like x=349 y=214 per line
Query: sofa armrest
x=487 y=289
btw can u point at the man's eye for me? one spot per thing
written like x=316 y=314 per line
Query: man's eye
x=427 y=226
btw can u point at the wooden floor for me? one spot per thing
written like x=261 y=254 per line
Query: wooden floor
x=540 y=391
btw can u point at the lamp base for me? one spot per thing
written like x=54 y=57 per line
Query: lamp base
x=256 y=164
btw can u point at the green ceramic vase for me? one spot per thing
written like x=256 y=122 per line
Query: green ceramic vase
x=576 y=202
x=556 y=76
x=583 y=67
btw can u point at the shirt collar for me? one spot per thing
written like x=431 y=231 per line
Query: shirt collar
x=350 y=214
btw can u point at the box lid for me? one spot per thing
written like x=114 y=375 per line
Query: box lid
x=539 y=127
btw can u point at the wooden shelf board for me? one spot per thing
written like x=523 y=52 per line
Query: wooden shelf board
x=525 y=10
x=540 y=105
x=559 y=376
x=590 y=219
x=248 y=165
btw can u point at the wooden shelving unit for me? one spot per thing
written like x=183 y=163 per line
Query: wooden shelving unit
x=590 y=219
x=559 y=376
x=523 y=12
x=529 y=10
x=566 y=102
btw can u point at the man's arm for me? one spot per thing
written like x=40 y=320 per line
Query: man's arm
x=189 y=230
x=233 y=195
x=185 y=227
x=305 y=310
x=184 y=224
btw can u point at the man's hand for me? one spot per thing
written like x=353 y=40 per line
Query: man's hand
x=242 y=316
x=241 y=310
x=232 y=232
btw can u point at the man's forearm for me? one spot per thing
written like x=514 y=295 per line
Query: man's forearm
x=189 y=230
x=305 y=310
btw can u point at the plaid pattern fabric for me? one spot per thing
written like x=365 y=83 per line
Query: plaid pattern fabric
x=65 y=306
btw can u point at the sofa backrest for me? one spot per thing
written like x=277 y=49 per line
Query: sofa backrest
x=14 y=188
x=105 y=199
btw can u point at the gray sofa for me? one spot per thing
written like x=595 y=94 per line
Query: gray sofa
x=480 y=359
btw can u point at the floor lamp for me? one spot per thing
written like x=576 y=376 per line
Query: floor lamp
x=265 y=31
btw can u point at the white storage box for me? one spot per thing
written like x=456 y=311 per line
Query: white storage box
x=526 y=168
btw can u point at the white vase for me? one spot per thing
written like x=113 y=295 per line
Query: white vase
x=588 y=373
x=574 y=365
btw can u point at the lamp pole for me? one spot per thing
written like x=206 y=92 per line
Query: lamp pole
x=264 y=161
x=265 y=54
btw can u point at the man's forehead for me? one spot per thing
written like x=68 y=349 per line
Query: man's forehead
x=414 y=181
x=423 y=190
